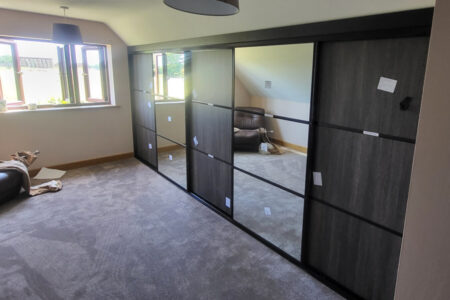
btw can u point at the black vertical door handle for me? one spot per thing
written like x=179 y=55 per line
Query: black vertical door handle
x=405 y=103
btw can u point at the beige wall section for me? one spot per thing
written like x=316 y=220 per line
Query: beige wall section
x=66 y=136
x=424 y=270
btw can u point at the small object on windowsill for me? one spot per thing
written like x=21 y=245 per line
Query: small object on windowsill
x=3 y=105
x=32 y=106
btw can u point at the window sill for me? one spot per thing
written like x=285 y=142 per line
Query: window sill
x=14 y=111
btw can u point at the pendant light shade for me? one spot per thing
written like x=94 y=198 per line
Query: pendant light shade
x=206 y=7
x=66 y=34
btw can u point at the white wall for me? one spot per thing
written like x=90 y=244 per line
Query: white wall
x=289 y=68
x=65 y=136
x=424 y=269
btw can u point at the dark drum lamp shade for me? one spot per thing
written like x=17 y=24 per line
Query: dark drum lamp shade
x=66 y=33
x=206 y=7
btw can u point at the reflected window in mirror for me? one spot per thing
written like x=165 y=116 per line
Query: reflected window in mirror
x=168 y=76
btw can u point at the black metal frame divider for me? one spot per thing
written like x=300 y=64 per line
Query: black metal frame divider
x=391 y=25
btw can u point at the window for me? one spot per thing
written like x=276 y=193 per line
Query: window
x=50 y=74
x=168 y=76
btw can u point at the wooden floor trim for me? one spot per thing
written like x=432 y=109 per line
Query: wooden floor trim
x=289 y=145
x=85 y=163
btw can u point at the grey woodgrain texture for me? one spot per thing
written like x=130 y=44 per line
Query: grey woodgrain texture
x=213 y=130
x=212 y=76
x=144 y=137
x=211 y=179
x=349 y=74
x=368 y=176
x=142 y=72
x=360 y=256
x=144 y=109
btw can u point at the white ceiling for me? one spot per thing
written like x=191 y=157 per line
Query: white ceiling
x=148 y=21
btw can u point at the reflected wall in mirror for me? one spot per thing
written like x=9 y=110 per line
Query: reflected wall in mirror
x=272 y=213
x=212 y=76
x=272 y=107
x=171 y=120
x=276 y=78
x=172 y=161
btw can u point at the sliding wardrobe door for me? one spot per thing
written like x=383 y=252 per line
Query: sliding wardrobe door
x=368 y=102
x=143 y=108
x=210 y=127
x=270 y=141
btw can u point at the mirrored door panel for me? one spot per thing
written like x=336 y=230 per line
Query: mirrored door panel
x=276 y=78
x=172 y=161
x=212 y=76
x=271 y=148
x=171 y=120
x=272 y=213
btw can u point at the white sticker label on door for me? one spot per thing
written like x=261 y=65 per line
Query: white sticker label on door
x=195 y=140
x=170 y=157
x=227 y=202
x=387 y=84
x=169 y=118
x=371 y=133
x=149 y=104
x=194 y=94
x=317 y=178
x=267 y=211
x=150 y=146
x=210 y=156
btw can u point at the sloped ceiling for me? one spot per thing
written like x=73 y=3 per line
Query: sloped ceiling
x=140 y=22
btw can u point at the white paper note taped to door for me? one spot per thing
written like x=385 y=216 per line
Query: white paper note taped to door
x=169 y=118
x=150 y=146
x=227 y=202
x=149 y=104
x=317 y=178
x=195 y=140
x=170 y=157
x=267 y=211
x=387 y=84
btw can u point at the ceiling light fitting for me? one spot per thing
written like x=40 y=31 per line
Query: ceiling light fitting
x=64 y=33
x=206 y=7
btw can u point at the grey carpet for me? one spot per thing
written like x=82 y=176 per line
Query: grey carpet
x=121 y=231
x=287 y=169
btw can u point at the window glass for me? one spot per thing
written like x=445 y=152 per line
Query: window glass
x=175 y=75
x=8 y=87
x=89 y=61
x=41 y=76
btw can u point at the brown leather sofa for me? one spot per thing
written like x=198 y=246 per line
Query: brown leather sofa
x=248 y=120
x=10 y=184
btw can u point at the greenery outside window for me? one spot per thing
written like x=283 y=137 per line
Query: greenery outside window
x=49 y=74
x=168 y=76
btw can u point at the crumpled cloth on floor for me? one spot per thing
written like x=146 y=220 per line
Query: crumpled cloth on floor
x=21 y=161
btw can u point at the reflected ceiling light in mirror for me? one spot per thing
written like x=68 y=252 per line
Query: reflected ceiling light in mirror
x=206 y=7
x=64 y=33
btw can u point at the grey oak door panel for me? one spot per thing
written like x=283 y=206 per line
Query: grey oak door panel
x=146 y=145
x=212 y=76
x=358 y=255
x=212 y=130
x=211 y=179
x=368 y=176
x=144 y=109
x=142 y=72
x=348 y=87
